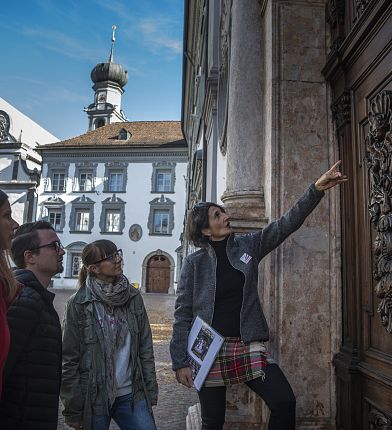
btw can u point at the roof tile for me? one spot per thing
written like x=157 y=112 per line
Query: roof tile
x=155 y=133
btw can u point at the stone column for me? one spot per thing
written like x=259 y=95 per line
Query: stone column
x=244 y=197
x=244 y=194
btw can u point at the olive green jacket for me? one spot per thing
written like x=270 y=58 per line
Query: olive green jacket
x=83 y=388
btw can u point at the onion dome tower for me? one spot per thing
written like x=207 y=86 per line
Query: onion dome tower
x=109 y=82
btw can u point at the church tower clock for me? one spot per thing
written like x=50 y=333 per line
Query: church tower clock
x=109 y=82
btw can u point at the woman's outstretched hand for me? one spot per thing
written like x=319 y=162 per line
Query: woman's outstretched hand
x=331 y=178
x=184 y=376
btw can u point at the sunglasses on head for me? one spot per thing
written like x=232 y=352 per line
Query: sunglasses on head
x=206 y=205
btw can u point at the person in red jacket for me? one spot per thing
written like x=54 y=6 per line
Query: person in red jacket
x=8 y=286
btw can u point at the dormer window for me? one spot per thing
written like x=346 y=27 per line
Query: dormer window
x=124 y=134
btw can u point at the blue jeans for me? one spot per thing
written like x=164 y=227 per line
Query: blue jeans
x=126 y=417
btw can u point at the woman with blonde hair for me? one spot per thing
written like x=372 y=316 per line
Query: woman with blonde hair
x=108 y=358
x=8 y=285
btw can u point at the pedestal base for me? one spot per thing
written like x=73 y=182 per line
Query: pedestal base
x=246 y=210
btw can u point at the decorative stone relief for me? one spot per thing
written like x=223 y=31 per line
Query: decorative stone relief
x=135 y=232
x=4 y=125
x=379 y=159
x=34 y=174
x=360 y=6
x=379 y=421
x=335 y=11
x=224 y=69
x=341 y=110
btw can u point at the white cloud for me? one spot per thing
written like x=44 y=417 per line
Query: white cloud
x=156 y=34
x=63 y=44
x=156 y=30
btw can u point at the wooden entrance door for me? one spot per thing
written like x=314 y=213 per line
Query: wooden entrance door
x=359 y=70
x=158 y=274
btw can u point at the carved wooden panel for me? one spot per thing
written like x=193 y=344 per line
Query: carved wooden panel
x=359 y=72
x=378 y=420
x=379 y=158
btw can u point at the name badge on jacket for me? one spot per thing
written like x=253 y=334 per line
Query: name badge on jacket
x=246 y=258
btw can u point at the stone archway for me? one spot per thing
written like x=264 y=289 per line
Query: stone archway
x=158 y=273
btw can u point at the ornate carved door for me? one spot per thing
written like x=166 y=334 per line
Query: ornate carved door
x=359 y=69
x=158 y=274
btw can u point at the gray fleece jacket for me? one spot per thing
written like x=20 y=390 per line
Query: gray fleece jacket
x=196 y=287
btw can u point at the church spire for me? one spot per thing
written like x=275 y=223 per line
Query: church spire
x=109 y=80
x=113 y=40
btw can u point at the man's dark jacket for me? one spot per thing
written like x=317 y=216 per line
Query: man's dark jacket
x=32 y=374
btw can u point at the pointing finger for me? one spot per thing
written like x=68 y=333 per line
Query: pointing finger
x=335 y=166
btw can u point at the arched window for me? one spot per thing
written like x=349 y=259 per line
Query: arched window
x=74 y=252
x=99 y=123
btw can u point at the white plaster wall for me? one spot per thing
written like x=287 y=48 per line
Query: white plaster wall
x=114 y=97
x=5 y=167
x=17 y=200
x=32 y=132
x=31 y=135
x=137 y=209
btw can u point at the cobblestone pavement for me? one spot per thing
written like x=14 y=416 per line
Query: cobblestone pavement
x=174 y=399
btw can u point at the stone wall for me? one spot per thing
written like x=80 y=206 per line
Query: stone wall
x=300 y=278
x=279 y=141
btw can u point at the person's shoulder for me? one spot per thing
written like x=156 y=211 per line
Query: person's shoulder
x=136 y=301
x=78 y=299
x=77 y=295
x=27 y=296
x=197 y=255
x=28 y=305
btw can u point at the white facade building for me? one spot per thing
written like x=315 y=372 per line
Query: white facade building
x=124 y=182
x=20 y=163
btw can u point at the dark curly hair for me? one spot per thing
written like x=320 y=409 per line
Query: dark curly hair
x=197 y=221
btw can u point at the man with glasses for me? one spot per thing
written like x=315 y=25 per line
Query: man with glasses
x=32 y=374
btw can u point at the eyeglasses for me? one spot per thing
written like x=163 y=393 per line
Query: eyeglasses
x=56 y=245
x=118 y=255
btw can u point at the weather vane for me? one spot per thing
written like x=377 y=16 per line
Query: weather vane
x=113 y=40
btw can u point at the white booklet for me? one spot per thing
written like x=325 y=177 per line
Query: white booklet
x=204 y=344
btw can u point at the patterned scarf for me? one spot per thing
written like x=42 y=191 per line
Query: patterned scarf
x=109 y=301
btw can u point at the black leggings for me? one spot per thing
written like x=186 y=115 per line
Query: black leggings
x=275 y=390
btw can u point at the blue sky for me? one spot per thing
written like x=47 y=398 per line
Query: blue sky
x=49 y=48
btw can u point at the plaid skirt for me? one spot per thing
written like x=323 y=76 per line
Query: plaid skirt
x=237 y=362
